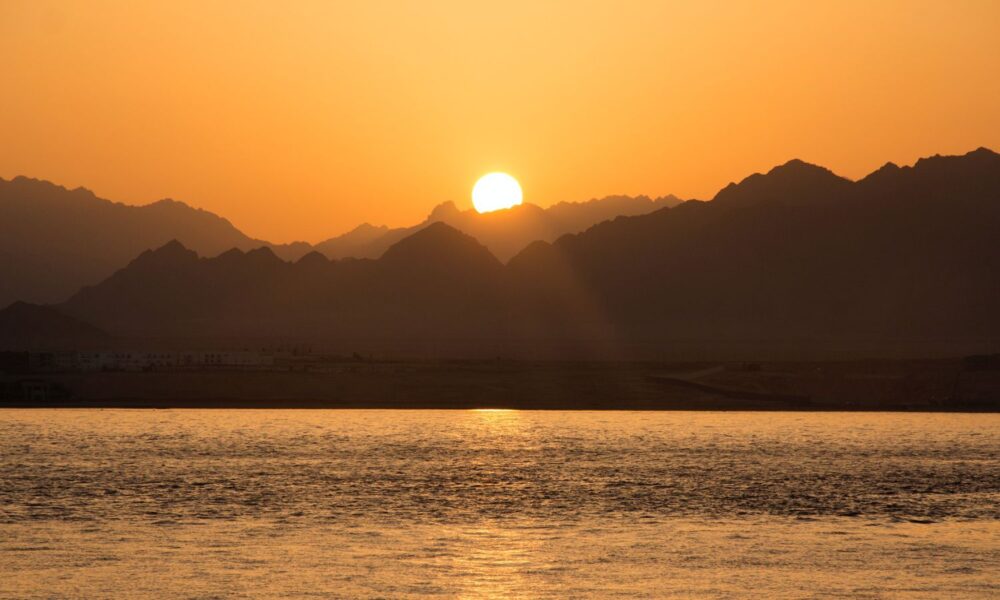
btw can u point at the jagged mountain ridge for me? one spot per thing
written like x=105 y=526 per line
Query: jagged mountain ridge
x=504 y=232
x=443 y=275
x=907 y=253
x=54 y=240
x=904 y=254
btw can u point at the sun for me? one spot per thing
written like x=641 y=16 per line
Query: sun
x=495 y=191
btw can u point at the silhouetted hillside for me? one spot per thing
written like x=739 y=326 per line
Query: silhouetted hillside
x=792 y=183
x=364 y=241
x=797 y=254
x=504 y=232
x=24 y=325
x=906 y=255
x=438 y=283
x=54 y=240
x=441 y=248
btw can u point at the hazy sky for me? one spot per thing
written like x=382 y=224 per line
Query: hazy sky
x=299 y=120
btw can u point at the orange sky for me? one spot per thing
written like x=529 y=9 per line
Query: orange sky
x=299 y=120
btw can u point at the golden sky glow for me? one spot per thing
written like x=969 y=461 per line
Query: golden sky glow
x=299 y=120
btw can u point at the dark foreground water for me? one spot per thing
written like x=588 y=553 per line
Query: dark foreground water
x=497 y=504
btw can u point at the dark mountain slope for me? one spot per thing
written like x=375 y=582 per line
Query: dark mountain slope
x=906 y=255
x=24 y=326
x=438 y=283
x=793 y=183
x=54 y=240
x=794 y=254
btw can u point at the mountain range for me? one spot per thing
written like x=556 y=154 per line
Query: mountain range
x=504 y=232
x=54 y=240
x=907 y=255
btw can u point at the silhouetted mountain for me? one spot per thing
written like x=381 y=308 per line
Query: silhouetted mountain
x=504 y=232
x=905 y=255
x=437 y=283
x=54 y=240
x=797 y=254
x=441 y=248
x=24 y=325
x=793 y=183
x=364 y=241
x=574 y=217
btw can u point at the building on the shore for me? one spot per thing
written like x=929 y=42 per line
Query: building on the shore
x=30 y=391
x=125 y=360
x=241 y=359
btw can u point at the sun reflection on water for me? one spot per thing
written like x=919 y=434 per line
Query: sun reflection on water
x=498 y=562
x=496 y=504
x=497 y=422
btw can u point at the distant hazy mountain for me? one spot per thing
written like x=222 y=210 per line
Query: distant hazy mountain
x=54 y=240
x=905 y=254
x=504 y=232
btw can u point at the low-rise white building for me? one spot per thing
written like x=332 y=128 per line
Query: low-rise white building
x=130 y=360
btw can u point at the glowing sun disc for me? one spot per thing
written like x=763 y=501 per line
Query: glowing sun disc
x=496 y=191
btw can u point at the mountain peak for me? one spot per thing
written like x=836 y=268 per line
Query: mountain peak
x=42 y=190
x=795 y=163
x=230 y=255
x=263 y=255
x=173 y=253
x=169 y=204
x=800 y=168
x=981 y=155
x=795 y=182
x=439 y=245
x=313 y=258
x=444 y=211
x=435 y=233
x=970 y=166
x=670 y=200
x=368 y=228
x=173 y=245
x=18 y=307
x=886 y=172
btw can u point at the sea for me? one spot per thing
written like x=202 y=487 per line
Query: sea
x=213 y=504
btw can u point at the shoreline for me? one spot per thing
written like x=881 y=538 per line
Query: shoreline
x=859 y=386
x=322 y=405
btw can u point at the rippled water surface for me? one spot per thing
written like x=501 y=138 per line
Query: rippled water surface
x=484 y=504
